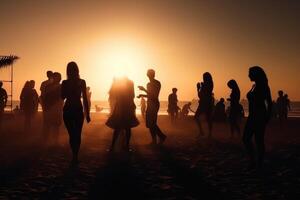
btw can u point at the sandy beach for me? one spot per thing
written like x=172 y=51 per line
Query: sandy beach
x=183 y=168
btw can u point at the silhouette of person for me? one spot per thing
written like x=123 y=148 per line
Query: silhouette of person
x=72 y=90
x=219 y=111
x=152 y=93
x=55 y=105
x=43 y=99
x=172 y=105
x=287 y=107
x=206 y=102
x=3 y=101
x=281 y=106
x=260 y=111
x=143 y=107
x=235 y=112
x=122 y=116
x=185 y=110
x=89 y=96
x=29 y=103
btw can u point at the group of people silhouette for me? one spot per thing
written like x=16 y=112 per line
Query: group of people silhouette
x=62 y=102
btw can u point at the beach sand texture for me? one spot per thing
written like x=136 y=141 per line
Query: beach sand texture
x=183 y=168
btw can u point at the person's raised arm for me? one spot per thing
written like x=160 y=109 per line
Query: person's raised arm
x=85 y=101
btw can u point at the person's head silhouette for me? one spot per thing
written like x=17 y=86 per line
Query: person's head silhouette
x=222 y=100
x=151 y=74
x=56 y=77
x=49 y=74
x=72 y=70
x=31 y=84
x=207 y=77
x=258 y=75
x=280 y=93
x=1 y=84
x=174 y=90
x=232 y=84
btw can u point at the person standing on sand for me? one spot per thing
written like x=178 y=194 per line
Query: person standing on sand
x=3 y=101
x=152 y=93
x=260 y=112
x=235 y=113
x=29 y=103
x=44 y=101
x=122 y=115
x=72 y=90
x=281 y=106
x=172 y=105
x=206 y=102
x=55 y=106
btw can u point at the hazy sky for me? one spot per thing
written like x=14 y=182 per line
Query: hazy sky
x=180 y=39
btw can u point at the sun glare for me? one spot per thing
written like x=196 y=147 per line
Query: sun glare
x=117 y=58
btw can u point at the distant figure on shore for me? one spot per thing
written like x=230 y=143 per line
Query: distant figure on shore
x=89 y=96
x=152 y=93
x=29 y=100
x=98 y=108
x=143 y=107
x=235 y=112
x=260 y=111
x=72 y=90
x=219 y=111
x=3 y=101
x=287 y=106
x=16 y=110
x=55 y=111
x=122 y=116
x=281 y=107
x=172 y=105
x=185 y=110
x=206 y=102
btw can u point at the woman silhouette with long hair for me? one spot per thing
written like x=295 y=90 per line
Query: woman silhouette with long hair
x=206 y=102
x=122 y=112
x=260 y=111
x=235 y=112
x=72 y=90
x=29 y=103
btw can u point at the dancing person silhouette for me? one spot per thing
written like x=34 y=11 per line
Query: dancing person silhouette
x=235 y=112
x=152 y=93
x=3 y=101
x=172 y=105
x=260 y=112
x=72 y=90
x=122 y=115
x=206 y=102
x=29 y=103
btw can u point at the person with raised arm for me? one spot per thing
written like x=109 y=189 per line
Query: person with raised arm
x=152 y=94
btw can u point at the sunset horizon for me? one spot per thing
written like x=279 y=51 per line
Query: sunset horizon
x=179 y=40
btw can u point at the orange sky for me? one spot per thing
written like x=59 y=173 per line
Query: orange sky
x=180 y=39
